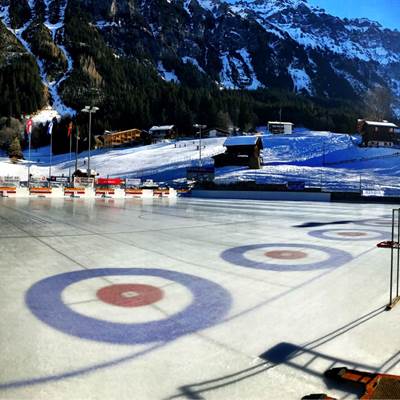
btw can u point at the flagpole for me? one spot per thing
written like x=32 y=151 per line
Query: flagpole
x=76 y=148
x=28 y=129
x=70 y=151
x=29 y=157
x=51 y=153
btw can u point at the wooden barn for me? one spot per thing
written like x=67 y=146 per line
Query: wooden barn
x=241 y=150
x=378 y=133
x=116 y=139
x=280 y=128
x=162 y=132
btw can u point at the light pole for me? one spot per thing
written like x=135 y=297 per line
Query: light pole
x=91 y=110
x=28 y=129
x=200 y=127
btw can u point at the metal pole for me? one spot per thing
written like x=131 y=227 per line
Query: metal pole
x=90 y=135
x=391 y=261
x=29 y=157
x=76 y=149
x=51 y=153
x=70 y=155
x=397 y=250
x=200 y=147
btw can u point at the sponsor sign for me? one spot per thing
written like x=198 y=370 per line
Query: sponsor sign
x=133 y=182
x=373 y=193
x=61 y=179
x=109 y=181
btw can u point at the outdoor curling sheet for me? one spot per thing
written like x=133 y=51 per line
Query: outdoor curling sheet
x=191 y=298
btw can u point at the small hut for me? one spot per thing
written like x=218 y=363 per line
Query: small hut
x=280 y=128
x=241 y=150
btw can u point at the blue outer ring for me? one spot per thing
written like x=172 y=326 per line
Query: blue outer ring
x=320 y=234
x=236 y=255
x=210 y=304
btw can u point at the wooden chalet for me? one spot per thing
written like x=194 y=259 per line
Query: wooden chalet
x=241 y=150
x=162 y=132
x=378 y=133
x=280 y=128
x=116 y=139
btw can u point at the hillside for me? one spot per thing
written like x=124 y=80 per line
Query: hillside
x=318 y=158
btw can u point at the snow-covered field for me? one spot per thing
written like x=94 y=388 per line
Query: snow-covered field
x=330 y=160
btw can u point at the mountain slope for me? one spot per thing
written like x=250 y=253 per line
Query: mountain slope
x=94 y=50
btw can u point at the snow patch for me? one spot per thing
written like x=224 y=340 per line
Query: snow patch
x=186 y=4
x=45 y=115
x=254 y=82
x=105 y=24
x=193 y=61
x=237 y=71
x=168 y=76
x=301 y=80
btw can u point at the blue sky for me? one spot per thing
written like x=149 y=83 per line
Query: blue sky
x=386 y=12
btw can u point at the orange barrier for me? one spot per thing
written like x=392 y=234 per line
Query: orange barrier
x=40 y=190
x=137 y=192
x=161 y=192
x=74 y=191
x=8 y=189
x=105 y=191
x=375 y=385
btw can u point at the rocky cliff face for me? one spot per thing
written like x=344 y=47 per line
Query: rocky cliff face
x=236 y=44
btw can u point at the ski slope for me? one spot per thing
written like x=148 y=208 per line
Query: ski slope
x=333 y=161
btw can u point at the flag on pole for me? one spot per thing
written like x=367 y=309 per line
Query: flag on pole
x=28 y=126
x=69 y=129
x=50 y=128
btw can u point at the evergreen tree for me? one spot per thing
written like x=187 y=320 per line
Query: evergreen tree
x=14 y=151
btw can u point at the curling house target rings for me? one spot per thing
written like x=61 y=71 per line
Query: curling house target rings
x=349 y=234
x=237 y=256
x=210 y=304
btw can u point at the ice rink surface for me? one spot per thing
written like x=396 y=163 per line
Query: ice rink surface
x=190 y=298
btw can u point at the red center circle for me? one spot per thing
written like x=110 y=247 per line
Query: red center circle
x=352 y=234
x=286 y=254
x=130 y=295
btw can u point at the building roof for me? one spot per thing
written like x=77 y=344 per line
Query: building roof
x=109 y=133
x=241 y=141
x=381 y=123
x=161 y=128
x=279 y=123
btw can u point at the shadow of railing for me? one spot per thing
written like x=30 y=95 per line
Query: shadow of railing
x=298 y=357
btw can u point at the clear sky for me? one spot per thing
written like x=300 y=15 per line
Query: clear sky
x=386 y=12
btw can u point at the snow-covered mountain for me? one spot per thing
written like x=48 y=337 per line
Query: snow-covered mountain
x=246 y=44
